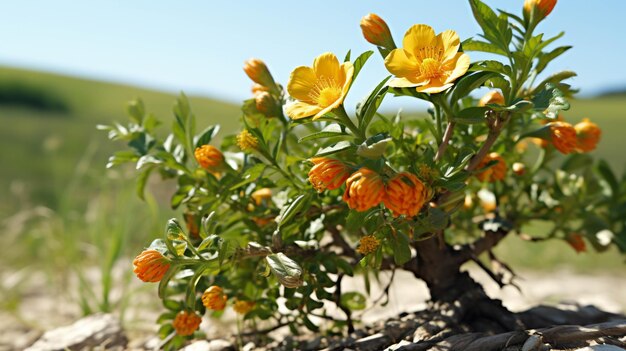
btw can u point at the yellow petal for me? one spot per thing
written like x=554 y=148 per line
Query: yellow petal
x=402 y=83
x=326 y=110
x=326 y=65
x=433 y=87
x=417 y=37
x=347 y=71
x=462 y=64
x=450 y=42
x=299 y=110
x=400 y=63
x=301 y=82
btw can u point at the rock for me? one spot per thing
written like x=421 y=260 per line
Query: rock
x=86 y=333
x=213 y=345
x=601 y=348
x=374 y=342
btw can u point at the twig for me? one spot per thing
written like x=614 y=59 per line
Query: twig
x=446 y=140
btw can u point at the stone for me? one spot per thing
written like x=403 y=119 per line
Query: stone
x=212 y=345
x=601 y=348
x=98 y=330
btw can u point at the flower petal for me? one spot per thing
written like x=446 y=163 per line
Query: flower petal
x=329 y=108
x=299 y=110
x=462 y=61
x=450 y=42
x=433 y=87
x=403 y=83
x=347 y=72
x=417 y=37
x=301 y=82
x=400 y=63
x=326 y=65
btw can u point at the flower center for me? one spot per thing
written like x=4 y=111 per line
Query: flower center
x=431 y=68
x=325 y=92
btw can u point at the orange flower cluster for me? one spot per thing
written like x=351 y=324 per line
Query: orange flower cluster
x=588 y=135
x=563 y=136
x=328 y=173
x=494 y=173
x=186 y=323
x=151 y=266
x=214 y=298
x=208 y=156
x=405 y=194
x=243 y=307
x=368 y=244
x=364 y=190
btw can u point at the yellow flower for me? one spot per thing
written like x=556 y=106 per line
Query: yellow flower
x=405 y=194
x=588 y=135
x=320 y=88
x=246 y=141
x=258 y=72
x=208 y=156
x=376 y=31
x=186 y=323
x=495 y=172
x=542 y=7
x=427 y=62
x=364 y=190
x=214 y=298
x=242 y=306
x=328 y=173
x=492 y=97
x=563 y=137
x=367 y=245
x=151 y=266
x=261 y=194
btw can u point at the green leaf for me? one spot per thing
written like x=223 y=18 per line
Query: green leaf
x=142 y=181
x=491 y=66
x=122 y=157
x=374 y=147
x=166 y=279
x=408 y=92
x=607 y=174
x=293 y=208
x=136 y=110
x=477 y=45
x=500 y=83
x=337 y=147
x=554 y=79
x=353 y=300
x=366 y=109
x=401 y=248
x=360 y=62
x=545 y=59
x=206 y=136
x=286 y=270
x=469 y=83
x=550 y=101
x=347 y=58
x=250 y=175
x=471 y=115
x=332 y=130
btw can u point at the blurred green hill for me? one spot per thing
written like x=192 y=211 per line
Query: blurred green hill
x=48 y=129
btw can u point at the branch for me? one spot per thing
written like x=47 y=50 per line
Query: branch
x=446 y=140
x=495 y=127
x=486 y=243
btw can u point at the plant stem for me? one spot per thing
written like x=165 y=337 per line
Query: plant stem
x=345 y=119
x=446 y=140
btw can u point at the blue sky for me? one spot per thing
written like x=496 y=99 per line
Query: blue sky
x=199 y=46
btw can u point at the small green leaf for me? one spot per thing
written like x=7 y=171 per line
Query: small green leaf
x=332 y=130
x=293 y=208
x=471 y=115
x=360 y=62
x=286 y=270
x=250 y=175
x=136 y=110
x=401 y=248
x=477 y=45
x=337 y=147
x=206 y=136
x=469 y=83
x=353 y=300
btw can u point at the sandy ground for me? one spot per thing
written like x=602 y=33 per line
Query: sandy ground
x=41 y=309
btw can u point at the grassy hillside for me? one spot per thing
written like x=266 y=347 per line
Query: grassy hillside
x=43 y=149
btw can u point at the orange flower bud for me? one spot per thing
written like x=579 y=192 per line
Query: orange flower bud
x=151 y=266
x=214 y=298
x=208 y=156
x=588 y=134
x=192 y=225
x=376 y=31
x=405 y=194
x=368 y=244
x=261 y=194
x=492 y=97
x=258 y=72
x=563 y=137
x=519 y=168
x=577 y=242
x=328 y=173
x=246 y=141
x=266 y=104
x=258 y=88
x=243 y=307
x=364 y=190
x=495 y=172
x=542 y=8
x=186 y=323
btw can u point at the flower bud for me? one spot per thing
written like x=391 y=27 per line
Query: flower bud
x=487 y=200
x=328 y=173
x=243 y=307
x=376 y=31
x=405 y=194
x=577 y=242
x=151 y=266
x=258 y=88
x=364 y=190
x=494 y=173
x=542 y=8
x=186 y=323
x=492 y=97
x=258 y=72
x=563 y=137
x=246 y=141
x=588 y=135
x=367 y=245
x=260 y=195
x=266 y=104
x=208 y=156
x=519 y=168
x=214 y=298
